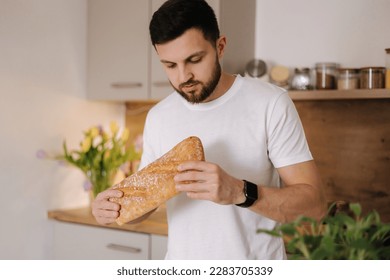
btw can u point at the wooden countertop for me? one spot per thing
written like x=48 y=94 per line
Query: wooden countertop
x=155 y=224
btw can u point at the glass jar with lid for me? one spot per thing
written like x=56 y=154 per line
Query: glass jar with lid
x=372 y=77
x=326 y=75
x=279 y=75
x=348 y=78
x=301 y=79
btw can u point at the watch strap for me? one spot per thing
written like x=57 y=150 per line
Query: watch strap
x=251 y=194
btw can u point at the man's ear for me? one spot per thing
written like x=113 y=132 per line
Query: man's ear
x=221 y=44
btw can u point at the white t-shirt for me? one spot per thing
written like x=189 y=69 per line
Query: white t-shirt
x=249 y=131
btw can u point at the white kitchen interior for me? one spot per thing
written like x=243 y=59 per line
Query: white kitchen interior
x=43 y=88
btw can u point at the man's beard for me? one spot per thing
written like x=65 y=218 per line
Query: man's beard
x=206 y=89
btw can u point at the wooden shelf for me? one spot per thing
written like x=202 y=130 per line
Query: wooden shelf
x=339 y=94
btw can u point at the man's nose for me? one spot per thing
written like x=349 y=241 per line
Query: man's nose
x=185 y=74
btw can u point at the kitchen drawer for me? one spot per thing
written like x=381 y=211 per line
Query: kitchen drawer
x=77 y=242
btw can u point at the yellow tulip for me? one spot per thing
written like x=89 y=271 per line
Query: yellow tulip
x=125 y=135
x=94 y=132
x=106 y=154
x=86 y=144
x=104 y=136
x=114 y=127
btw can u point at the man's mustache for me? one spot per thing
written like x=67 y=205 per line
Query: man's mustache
x=189 y=83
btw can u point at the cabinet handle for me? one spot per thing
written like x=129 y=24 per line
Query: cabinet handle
x=123 y=248
x=161 y=84
x=126 y=85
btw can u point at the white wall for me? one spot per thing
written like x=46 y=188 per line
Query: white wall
x=42 y=102
x=299 y=33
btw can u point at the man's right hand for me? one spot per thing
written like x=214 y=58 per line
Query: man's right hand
x=105 y=211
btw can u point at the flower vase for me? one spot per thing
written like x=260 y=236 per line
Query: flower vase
x=100 y=180
x=91 y=197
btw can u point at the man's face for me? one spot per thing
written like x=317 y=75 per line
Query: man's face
x=192 y=65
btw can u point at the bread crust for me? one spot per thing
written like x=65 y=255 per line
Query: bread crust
x=153 y=185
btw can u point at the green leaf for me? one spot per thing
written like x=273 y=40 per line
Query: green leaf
x=321 y=253
x=292 y=246
x=288 y=229
x=65 y=148
x=360 y=244
x=381 y=232
x=383 y=253
x=327 y=242
x=356 y=209
x=275 y=233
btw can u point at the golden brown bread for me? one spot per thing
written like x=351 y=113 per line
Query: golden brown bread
x=151 y=186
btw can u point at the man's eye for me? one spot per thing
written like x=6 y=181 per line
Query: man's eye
x=170 y=66
x=196 y=60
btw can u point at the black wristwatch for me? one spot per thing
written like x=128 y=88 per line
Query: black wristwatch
x=251 y=194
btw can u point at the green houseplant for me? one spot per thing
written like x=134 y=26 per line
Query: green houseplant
x=340 y=235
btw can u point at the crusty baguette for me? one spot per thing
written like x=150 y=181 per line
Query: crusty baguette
x=153 y=185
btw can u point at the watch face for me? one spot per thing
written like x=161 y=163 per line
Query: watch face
x=251 y=194
x=251 y=191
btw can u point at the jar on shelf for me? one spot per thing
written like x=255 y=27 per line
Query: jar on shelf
x=372 y=77
x=387 y=84
x=279 y=76
x=301 y=79
x=326 y=75
x=348 y=78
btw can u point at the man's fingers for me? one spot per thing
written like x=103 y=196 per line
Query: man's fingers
x=107 y=214
x=109 y=193
x=193 y=165
x=189 y=176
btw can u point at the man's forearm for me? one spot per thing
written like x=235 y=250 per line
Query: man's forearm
x=289 y=202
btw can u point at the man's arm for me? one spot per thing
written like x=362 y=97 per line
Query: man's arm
x=301 y=194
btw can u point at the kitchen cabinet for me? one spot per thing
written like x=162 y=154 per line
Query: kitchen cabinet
x=158 y=246
x=77 y=235
x=117 y=50
x=123 y=66
x=81 y=242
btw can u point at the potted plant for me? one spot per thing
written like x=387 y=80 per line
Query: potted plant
x=100 y=156
x=345 y=234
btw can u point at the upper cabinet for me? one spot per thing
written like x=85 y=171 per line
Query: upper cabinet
x=117 y=52
x=237 y=20
x=123 y=65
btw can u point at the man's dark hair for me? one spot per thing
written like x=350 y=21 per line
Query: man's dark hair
x=175 y=17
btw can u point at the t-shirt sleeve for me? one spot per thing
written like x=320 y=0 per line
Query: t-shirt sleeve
x=286 y=138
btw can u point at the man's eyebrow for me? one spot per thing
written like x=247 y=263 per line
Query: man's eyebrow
x=166 y=61
x=200 y=53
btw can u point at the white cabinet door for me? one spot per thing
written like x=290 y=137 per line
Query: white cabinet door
x=80 y=242
x=237 y=21
x=158 y=247
x=118 y=53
